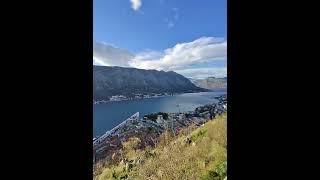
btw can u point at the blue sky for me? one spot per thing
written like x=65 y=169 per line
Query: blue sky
x=186 y=36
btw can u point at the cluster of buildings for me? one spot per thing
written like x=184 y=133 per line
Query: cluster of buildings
x=150 y=95
x=134 y=96
x=148 y=130
x=118 y=98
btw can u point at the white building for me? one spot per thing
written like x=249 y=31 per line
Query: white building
x=181 y=116
x=159 y=118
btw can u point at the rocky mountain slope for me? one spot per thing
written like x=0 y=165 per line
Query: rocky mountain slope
x=210 y=83
x=110 y=81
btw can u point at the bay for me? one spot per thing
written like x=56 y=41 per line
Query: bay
x=108 y=115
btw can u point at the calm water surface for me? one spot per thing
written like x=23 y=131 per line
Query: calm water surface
x=108 y=115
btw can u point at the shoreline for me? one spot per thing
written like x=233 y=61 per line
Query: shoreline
x=129 y=99
x=118 y=98
x=221 y=102
x=149 y=129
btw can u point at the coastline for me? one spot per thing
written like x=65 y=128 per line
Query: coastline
x=150 y=129
x=117 y=98
x=222 y=104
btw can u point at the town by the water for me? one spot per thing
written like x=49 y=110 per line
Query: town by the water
x=133 y=97
x=151 y=126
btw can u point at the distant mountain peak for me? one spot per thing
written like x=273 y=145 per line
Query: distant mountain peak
x=211 y=82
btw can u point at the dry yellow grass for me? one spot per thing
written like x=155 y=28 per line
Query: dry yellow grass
x=193 y=154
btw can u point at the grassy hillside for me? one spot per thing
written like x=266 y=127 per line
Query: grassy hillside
x=195 y=153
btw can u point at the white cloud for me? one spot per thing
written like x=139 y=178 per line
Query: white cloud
x=204 y=49
x=109 y=55
x=136 y=4
x=181 y=58
x=98 y=62
x=199 y=73
x=148 y=55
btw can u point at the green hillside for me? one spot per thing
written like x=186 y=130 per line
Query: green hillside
x=195 y=153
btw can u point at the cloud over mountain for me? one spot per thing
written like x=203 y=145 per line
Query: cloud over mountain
x=179 y=58
x=204 y=49
x=199 y=73
x=109 y=55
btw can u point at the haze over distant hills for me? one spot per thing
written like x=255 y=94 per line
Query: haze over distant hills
x=109 y=81
x=210 y=82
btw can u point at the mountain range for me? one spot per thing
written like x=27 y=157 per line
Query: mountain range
x=210 y=83
x=111 y=80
